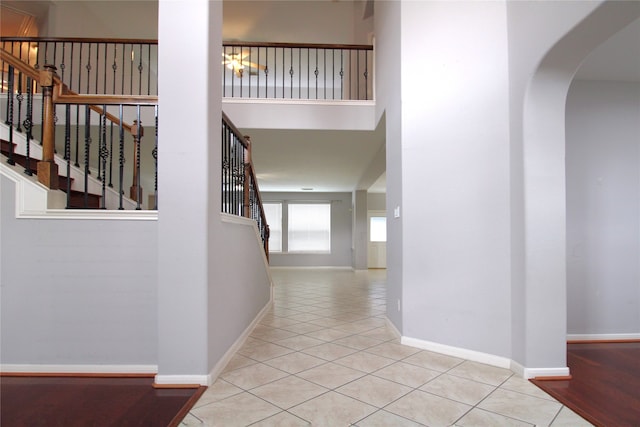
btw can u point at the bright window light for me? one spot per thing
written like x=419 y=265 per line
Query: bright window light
x=378 y=229
x=309 y=227
x=273 y=212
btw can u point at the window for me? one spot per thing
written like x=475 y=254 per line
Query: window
x=309 y=227
x=273 y=212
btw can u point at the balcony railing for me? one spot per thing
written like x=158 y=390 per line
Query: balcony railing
x=290 y=71
x=297 y=71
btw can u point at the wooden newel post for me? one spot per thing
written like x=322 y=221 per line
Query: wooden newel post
x=137 y=131
x=247 y=178
x=47 y=168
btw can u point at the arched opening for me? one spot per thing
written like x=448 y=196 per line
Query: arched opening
x=544 y=186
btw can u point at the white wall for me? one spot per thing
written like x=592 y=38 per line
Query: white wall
x=77 y=293
x=388 y=26
x=455 y=150
x=603 y=208
x=289 y=21
x=341 y=230
x=132 y=19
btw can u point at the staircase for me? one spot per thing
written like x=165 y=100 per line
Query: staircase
x=76 y=198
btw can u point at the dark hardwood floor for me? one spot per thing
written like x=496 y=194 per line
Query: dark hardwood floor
x=90 y=401
x=605 y=383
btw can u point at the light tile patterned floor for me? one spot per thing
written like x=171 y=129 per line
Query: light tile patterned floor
x=324 y=356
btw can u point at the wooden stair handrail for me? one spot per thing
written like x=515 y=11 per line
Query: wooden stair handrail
x=63 y=95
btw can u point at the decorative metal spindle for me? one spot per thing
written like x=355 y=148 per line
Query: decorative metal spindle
x=149 y=69
x=366 y=75
x=308 y=74
x=140 y=68
x=77 y=164
x=154 y=153
x=291 y=71
x=139 y=132
x=28 y=125
x=19 y=97
x=283 y=73
x=299 y=73
x=358 y=74
x=341 y=73
x=333 y=73
x=266 y=73
x=122 y=73
x=104 y=153
x=114 y=66
x=111 y=155
x=350 y=79
x=62 y=65
x=131 y=70
x=324 y=72
x=316 y=72
x=99 y=174
x=79 y=70
x=87 y=148
x=46 y=54
x=88 y=67
x=67 y=150
x=37 y=64
x=122 y=159
x=97 y=65
x=9 y=121
x=104 y=85
x=71 y=66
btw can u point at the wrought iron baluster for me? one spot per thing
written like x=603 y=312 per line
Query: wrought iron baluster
x=62 y=64
x=9 y=121
x=149 y=69
x=154 y=153
x=87 y=148
x=138 y=142
x=110 y=155
x=19 y=97
x=77 y=163
x=358 y=74
x=291 y=71
x=341 y=73
x=299 y=73
x=283 y=73
x=122 y=78
x=104 y=153
x=333 y=73
x=97 y=66
x=140 y=68
x=67 y=150
x=324 y=72
x=28 y=125
x=131 y=69
x=366 y=75
x=79 y=70
x=104 y=85
x=114 y=66
x=122 y=159
x=316 y=72
x=88 y=67
x=308 y=73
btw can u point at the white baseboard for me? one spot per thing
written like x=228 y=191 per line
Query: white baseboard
x=463 y=353
x=79 y=369
x=182 y=379
x=528 y=373
x=224 y=360
x=602 y=337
